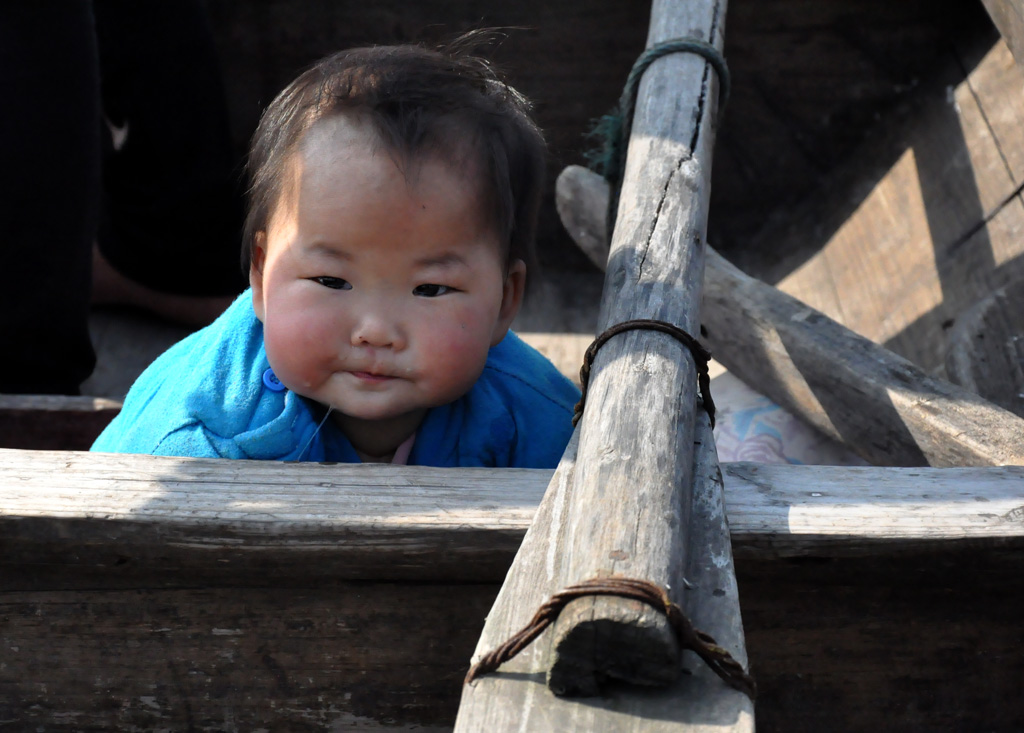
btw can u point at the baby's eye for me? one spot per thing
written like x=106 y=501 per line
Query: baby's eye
x=431 y=290
x=335 y=283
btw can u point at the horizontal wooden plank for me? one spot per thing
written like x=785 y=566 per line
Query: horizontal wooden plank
x=53 y=422
x=897 y=643
x=350 y=656
x=783 y=510
x=353 y=521
x=843 y=645
x=340 y=521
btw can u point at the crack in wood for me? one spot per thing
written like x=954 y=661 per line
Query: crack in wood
x=986 y=219
x=694 y=140
x=657 y=214
x=705 y=79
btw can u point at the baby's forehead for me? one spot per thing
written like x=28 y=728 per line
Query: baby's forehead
x=346 y=164
x=339 y=146
x=339 y=130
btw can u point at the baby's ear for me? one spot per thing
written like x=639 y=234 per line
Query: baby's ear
x=511 y=299
x=257 y=258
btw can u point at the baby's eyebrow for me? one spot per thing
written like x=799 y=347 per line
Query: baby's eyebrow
x=319 y=248
x=447 y=259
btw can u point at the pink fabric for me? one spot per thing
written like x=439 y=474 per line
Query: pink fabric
x=401 y=456
x=750 y=427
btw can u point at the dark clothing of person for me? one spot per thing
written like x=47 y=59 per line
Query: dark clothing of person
x=49 y=194
x=162 y=198
x=172 y=206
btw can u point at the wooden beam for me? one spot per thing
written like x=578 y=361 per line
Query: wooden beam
x=620 y=502
x=518 y=695
x=235 y=518
x=1008 y=15
x=351 y=522
x=53 y=422
x=302 y=653
x=841 y=511
x=879 y=404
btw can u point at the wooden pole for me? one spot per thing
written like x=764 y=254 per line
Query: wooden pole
x=622 y=502
x=518 y=698
x=880 y=405
x=628 y=512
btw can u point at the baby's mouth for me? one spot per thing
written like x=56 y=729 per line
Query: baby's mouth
x=371 y=376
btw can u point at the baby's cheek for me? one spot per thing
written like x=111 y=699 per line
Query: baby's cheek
x=457 y=356
x=295 y=351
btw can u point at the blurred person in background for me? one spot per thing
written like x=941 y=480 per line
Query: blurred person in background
x=119 y=183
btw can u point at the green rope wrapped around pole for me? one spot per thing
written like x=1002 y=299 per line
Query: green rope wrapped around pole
x=614 y=129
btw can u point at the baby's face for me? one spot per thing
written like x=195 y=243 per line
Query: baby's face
x=380 y=296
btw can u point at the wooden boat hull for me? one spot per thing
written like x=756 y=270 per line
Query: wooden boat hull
x=108 y=622
x=143 y=593
x=929 y=641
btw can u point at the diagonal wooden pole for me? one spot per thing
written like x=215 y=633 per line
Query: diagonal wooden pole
x=879 y=404
x=626 y=499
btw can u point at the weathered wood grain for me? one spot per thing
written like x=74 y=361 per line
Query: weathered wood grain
x=1008 y=15
x=908 y=642
x=153 y=593
x=636 y=438
x=231 y=519
x=517 y=695
x=627 y=491
x=911 y=641
x=53 y=422
x=367 y=656
x=986 y=348
x=924 y=220
x=165 y=518
x=915 y=641
x=992 y=80
x=898 y=643
x=832 y=511
x=810 y=81
x=879 y=404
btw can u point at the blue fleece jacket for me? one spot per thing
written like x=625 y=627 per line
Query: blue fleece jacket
x=213 y=395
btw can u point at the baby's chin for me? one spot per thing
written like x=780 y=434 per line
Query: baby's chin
x=376 y=414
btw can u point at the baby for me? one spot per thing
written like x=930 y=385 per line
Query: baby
x=391 y=219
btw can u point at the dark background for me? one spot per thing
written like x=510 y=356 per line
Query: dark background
x=810 y=79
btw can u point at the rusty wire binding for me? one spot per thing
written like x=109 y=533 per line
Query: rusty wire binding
x=717 y=658
x=701 y=357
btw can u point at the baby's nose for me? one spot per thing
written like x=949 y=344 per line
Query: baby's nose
x=377 y=329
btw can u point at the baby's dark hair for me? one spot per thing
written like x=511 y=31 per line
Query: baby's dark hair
x=419 y=101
